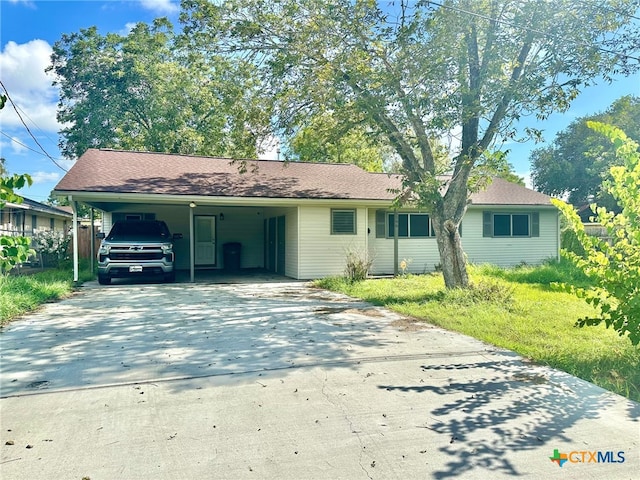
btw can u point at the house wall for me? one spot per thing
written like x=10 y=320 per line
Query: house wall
x=11 y=222
x=322 y=254
x=507 y=252
x=422 y=254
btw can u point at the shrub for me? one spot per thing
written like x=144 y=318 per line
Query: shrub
x=613 y=266
x=52 y=244
x=357 y=265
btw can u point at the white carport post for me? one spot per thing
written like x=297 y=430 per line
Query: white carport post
x=192 y=255
x=74 y=207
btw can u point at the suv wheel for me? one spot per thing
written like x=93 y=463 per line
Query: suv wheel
x=104 y=279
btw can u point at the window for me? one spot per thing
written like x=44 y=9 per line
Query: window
x=510 y=224
x=343 y=222
x=52 y=223
x=410 y=225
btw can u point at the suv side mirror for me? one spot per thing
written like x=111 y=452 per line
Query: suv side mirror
x=177 y=236
x=100 y=235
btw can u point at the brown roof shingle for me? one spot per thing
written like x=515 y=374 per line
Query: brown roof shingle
x=117 y=171
x=143 y=172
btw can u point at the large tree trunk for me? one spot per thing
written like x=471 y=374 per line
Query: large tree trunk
x=446 y=218
x=452 y=257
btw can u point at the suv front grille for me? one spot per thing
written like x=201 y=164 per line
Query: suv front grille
x=136 y=255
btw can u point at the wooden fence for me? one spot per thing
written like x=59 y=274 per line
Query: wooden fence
x=85 y=237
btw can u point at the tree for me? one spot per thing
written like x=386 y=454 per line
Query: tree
x=613 y=266
x=416 y=71
x=144 y=91
x=13 y=250
x=576 y=162
x=324 y=139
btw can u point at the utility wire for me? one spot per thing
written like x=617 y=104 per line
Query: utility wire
x=22 y=144
x=29 y=131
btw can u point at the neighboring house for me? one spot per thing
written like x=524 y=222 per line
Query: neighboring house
x=26 y=218
x=300 y=219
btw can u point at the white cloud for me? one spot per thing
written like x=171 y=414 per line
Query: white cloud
x=127 y=29
x=160 y=6
x=45 y=177
x=23 y=75
x=17 y=145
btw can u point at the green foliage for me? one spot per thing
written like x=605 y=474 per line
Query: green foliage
x=413 y=72
x=10 y=183
x=579 y=159
x=324 y=140
x=52 y=244
x=613 y=266
x=14 y=250
x=20 y=294
x=148 y=91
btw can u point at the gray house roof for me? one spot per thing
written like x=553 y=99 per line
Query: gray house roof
x=33 y=206
x=114 y=171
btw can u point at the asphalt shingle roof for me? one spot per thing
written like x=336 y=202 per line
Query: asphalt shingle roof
x=114 y=171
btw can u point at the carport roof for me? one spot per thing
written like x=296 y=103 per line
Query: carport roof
x=113 y=171
x=127 y=172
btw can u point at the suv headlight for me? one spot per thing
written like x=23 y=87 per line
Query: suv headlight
x=167 y=248
x=104 y=249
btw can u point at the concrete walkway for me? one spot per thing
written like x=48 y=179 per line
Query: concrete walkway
x=281 y=381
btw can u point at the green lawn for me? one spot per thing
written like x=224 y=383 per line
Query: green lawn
x=515 y=309
x=20 y=294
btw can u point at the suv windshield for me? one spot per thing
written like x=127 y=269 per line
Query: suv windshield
x=141 y=230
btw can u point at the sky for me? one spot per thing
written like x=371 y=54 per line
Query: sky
x=29 y=28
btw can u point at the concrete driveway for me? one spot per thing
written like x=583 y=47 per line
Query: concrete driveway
x=278 y=380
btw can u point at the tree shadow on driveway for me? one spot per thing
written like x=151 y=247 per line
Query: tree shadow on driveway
x=507 y=407
x=143 y=333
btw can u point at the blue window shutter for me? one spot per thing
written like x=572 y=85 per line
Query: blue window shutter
x=487 y=224
x=535 y=224
x=380 y=223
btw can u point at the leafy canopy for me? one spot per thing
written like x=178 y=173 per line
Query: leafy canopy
x=413 y=72
x=145 y=91
x=613 y=266
x=579 y=158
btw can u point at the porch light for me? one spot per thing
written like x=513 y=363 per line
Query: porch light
x=221 y=216
x=192 y=205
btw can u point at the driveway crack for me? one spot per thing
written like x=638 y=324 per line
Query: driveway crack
x=347 y=418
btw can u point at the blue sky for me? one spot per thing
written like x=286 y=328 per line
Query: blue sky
x=28 y=29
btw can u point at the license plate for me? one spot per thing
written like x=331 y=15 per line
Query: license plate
x=135 y=268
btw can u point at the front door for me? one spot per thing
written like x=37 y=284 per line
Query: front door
x=205 y=240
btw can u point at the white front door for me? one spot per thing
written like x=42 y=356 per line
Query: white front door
x=205 y=240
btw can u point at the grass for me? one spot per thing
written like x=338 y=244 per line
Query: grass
x=515 y=309
x=20 y=294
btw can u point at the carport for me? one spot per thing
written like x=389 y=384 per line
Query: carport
x=213 y=229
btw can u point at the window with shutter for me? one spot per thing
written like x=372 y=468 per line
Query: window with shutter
x=343 y=222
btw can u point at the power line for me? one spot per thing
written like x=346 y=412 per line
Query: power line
x=22 y=144
x=29 y=131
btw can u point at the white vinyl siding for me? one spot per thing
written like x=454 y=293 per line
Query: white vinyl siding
x=322 y=254
x=421 y=254
x=511 y=250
